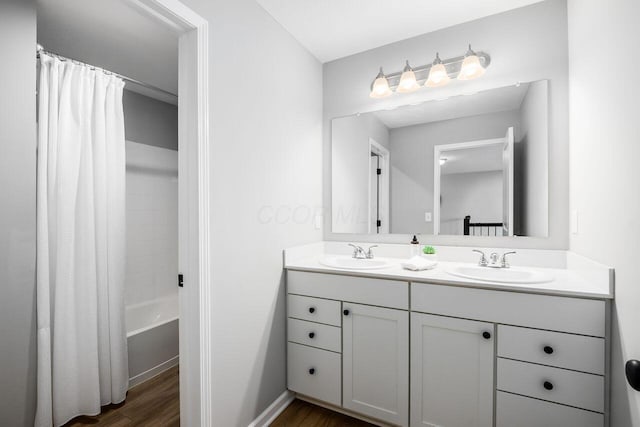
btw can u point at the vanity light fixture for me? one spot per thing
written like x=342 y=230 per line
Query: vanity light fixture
x=380 y=88
x=471 y=67
x=437 y=74
x=466 y=67
x=408 y=81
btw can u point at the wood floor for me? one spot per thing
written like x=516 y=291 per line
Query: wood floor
x=153 y=403
x=301 y=413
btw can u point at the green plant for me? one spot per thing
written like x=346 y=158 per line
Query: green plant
x=429 y=250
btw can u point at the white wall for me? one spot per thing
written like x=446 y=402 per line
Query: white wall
x=478 y=194
x=412 y=162
x=266 y=177
x=17 y=212
x=350 y=173
x=152 y=223
x=525 y=44
x=605 y=150
x=534 y=142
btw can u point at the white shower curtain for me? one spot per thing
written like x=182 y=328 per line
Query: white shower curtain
x=82 y=344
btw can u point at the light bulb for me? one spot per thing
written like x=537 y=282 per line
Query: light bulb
x=380 y=88
x=438 y=75
x=443 y=160
x=471 y=67
x=408 y=81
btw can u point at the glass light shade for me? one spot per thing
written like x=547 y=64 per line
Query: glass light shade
x=380 y=88
x=408 y=81
x=471 y=68
x=443 y=160
x=437 y=76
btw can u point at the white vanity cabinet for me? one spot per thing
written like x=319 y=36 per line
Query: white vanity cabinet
x=418 y=354
x=451 y=371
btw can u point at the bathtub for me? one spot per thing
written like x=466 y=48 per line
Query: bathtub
x=152 y=337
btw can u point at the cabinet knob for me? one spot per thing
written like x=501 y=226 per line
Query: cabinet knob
x=312 y=335
x=548 y=349
x=312 y=310
x=312 y=371
x=547 y=385
x=345 y=312
x=486 y=335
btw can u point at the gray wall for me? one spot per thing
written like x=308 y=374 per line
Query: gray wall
x=478 y=194
x=351 y=170
x=18 y=212
x=149 y=121
x=412 y=163
x=525 y=44
x=534 y=143
x=605 y=150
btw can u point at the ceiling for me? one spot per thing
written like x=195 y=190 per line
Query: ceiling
x=490 y=101
x=114 y=35
x=480 y=159
x=332 y=29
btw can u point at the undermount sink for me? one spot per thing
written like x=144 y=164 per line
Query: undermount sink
x=500 y=275
x=350 y=263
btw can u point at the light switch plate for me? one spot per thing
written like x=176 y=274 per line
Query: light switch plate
x=317 y=222
x=574 y=222
x=427 y=217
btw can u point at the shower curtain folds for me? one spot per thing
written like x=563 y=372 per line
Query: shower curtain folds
x=82 y=346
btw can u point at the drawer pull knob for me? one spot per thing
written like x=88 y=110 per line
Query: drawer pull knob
x=312 y=335
x=548 y=349
x=632 y=371
x=486 y=335
x=345 y=312
x=312 y=310
x=312 y=371
x=547 y=385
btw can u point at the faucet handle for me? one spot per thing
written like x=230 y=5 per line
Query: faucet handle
x=503 y=259
x=370 y=252
x=483 y=258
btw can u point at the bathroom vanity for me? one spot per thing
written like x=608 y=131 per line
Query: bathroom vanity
x=431 y=349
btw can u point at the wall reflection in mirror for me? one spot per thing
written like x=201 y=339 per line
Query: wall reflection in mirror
x=467 y=165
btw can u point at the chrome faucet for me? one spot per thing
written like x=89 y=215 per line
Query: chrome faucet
x=495 y=260
x=483 y=259
x=359 y=253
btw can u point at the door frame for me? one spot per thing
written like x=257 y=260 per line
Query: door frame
x=443 y=148
x=196 y=384
x=383 y=197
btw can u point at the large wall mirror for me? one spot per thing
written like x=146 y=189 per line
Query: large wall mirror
x=467 y=165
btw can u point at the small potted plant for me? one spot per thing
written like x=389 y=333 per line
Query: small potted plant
x=429 y=252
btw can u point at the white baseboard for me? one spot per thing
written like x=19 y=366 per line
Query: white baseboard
x=156 y=370
x=268 y=415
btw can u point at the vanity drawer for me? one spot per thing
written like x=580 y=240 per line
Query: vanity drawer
x=314 y=373
x=363 y=290
x=314 y=309
x=570 y=388
x=564 y=314
x=314 y=334
x=519 y=411
x=575 y=352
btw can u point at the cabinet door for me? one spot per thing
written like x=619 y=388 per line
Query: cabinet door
x=375 y=362
x=452 y=364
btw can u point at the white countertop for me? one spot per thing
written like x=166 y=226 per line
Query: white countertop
x=576 y=282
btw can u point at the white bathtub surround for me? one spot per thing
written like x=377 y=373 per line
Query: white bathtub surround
x=82 y=347
x=151 y=291
x=152 y=224
x=574 y=275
